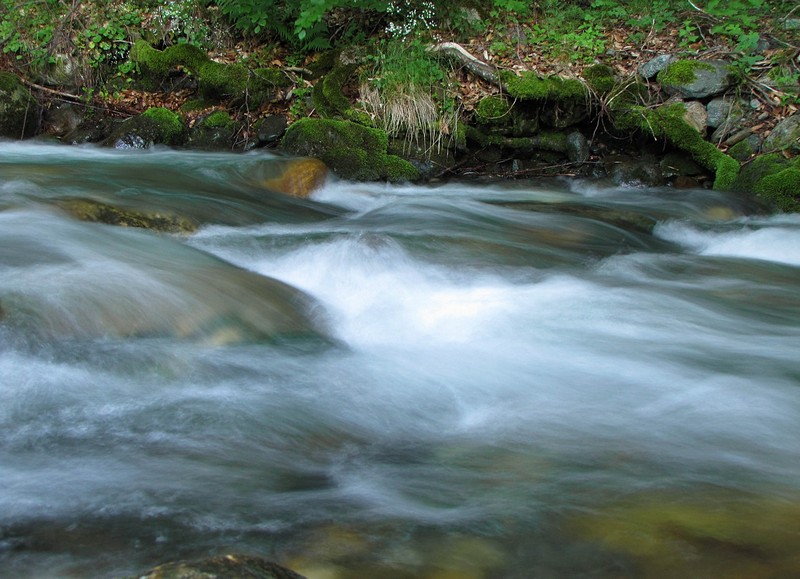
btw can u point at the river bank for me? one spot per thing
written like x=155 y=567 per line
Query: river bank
x=658 y=113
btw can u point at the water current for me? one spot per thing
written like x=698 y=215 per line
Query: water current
x=459 y=380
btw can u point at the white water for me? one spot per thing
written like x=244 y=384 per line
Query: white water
x=493 y=372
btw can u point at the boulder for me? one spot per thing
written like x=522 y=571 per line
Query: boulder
x=222 y=567
x=350 y=150
x=651 y=68
x=19 y=110
x=696 y=79
x=300 y=178
x=270 y=129
x=214 y=131
x=155 y=126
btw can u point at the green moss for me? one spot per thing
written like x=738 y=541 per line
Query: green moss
x=329 y=98
x=169 y=124
x=600 y=77
x=492 y=109
x=681 y=72
x=218 y=120
x=160 y=62
x=781 y=189
x=668 y=122
x=742 y=150
x=531 y=86
x=352 y=151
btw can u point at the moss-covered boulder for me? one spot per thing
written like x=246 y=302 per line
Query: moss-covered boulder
x=496 y=114
x=214 y=131
x=155 y=126
x=600 y=78
x=696 y=79
x=669 y=122
x=352 y=151
x=774 y=179
x=19 y=110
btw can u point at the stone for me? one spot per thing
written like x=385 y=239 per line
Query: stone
x=270 y=129
x=723 y=110
x=155 y=126
x=577 y=147
x=696 y=116
x=746 y=148
x=300 y=178
x=222 y=567
x=651 y=68
x=785 y=135
x=623 y=170
x=696 y=79
x=19 y=110
x=62 y=120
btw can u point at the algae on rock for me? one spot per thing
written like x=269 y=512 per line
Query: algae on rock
x=352 y=151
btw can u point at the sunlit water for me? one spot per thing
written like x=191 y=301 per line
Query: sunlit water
x=466 y=380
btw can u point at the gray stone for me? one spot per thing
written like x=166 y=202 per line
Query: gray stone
x=577 y=147
x=746 y=148
x=711 y=77
x=651 y=68
x=63 y=119
x=785 y=135
x=723 y=110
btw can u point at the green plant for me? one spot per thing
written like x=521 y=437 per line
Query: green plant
x=408 y=92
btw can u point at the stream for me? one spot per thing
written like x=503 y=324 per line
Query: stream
x=468 y=379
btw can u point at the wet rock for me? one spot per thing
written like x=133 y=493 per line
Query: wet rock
x=155 y=126
x=696 y=79
x=270 y=129
x=300 y=178
x=577 y=147
x=212 y=132
x=785 y=135
x=223 y=567
x=63 y=120
x=675 y=164
x=19 y=110
x=651 y=68
x=563 y=114
x=350 y=150
x=637 y=172
x=97 y=212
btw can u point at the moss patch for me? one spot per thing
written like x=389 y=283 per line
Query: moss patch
x=668 y=122
x=601 y=78
x=351 y=151
x=534 y=87
x=492 y=109
x=681 y=72
x=19 y=111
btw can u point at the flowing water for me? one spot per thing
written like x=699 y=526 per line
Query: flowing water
x=558 y=379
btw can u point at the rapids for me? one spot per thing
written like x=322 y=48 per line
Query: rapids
x=507 y=380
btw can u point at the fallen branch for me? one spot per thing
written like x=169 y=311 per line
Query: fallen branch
x=66 y=95
x=477 y=67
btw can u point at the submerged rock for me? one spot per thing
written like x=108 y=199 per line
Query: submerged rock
x=95 y=211
x=300 y=178
x=222 y=567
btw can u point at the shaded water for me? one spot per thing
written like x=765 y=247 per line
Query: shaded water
x=528 y=380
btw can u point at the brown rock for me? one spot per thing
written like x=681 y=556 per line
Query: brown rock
x=300 y=178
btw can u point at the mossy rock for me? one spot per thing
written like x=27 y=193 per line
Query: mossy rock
x=696 y=79
x=350 y=150
x=215 y=80
x=774 y=179
x=531 y=86
x=601 y=78
x=700 y=536
x=493 y=110
x=212 y=132
x=669 y=122
x=155 y=126
x=19 y=110
x=97 y=212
